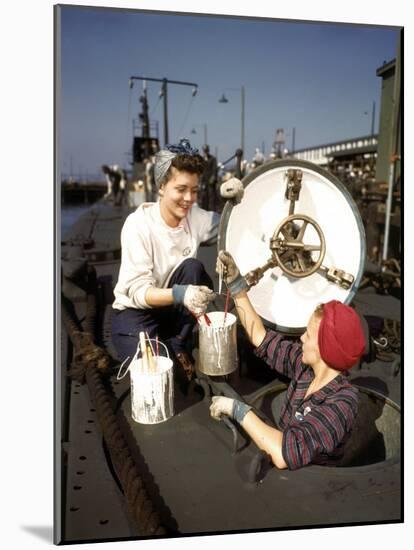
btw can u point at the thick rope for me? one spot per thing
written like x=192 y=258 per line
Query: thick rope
x=90 y=363
x=140 y=506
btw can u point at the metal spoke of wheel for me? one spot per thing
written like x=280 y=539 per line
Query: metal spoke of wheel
x=311 y=247
x=301 y=263
x=286 y=234
x=302 y=231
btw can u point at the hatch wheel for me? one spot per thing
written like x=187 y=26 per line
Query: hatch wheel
x=290 y=251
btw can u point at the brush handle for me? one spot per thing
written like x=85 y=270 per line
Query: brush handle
x=206 y=317
x=143 y=350
x=226 y=306
x=150 y=358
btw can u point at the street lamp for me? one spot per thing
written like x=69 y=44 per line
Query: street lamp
x=224 y=99
x=194 y=131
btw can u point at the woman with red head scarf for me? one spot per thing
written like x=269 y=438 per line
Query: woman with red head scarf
x=320 y=406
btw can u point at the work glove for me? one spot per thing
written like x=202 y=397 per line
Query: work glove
x=195 y=298
x=227 y=406
x=231 y=274
x=232 y=189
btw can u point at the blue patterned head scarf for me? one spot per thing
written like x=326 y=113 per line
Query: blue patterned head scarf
x=164 y=157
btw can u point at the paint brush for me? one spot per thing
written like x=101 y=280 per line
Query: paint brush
x=143 y=350
x=195 y=316
x=220 y=277
x=157 y=347
x=226 y=306
x=150 y=357
x=149 y=341
x=207 y=319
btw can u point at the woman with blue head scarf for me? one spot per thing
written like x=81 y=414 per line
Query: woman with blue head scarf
x=162 y=288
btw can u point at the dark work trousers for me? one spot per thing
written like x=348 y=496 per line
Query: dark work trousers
x=172 y=324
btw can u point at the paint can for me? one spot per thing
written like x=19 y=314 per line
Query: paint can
x=152 y=390
x=218 y=344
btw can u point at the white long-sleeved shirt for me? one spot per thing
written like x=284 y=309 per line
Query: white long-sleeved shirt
x=152 y=250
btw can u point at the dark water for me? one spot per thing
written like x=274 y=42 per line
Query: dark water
x=69 y=214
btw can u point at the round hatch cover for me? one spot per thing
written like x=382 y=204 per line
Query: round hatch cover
x=298 y=215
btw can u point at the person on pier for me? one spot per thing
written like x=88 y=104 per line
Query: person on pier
x=208 y=181
x=113 y=178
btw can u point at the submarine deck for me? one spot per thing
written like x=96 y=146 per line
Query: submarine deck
x=188 y=465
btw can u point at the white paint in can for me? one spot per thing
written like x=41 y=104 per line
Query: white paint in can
x=152 y=391
x=221 y=335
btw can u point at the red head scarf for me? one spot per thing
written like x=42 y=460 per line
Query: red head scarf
x=341 y=337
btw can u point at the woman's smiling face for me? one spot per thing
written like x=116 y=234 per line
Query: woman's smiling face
x=177 y=196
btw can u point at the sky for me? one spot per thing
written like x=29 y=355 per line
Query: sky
x=318 y=78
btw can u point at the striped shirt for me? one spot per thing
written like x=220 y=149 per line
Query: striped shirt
x=315 y=429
